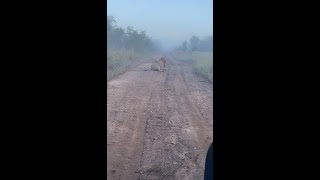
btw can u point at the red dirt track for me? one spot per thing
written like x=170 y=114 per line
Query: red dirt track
x=159 y=124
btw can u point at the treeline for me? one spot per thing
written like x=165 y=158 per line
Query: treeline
x=197 y=44
x=129 y=38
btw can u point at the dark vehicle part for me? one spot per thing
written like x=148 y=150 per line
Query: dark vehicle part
x=208 y=173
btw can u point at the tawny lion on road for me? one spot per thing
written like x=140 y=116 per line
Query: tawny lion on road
x=163 y=60
x=159 y=66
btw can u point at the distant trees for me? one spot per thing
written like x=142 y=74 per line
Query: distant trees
x=110 y=22
x=194 y=41
x=205 y=44
x=129 y=38
x=185 y=46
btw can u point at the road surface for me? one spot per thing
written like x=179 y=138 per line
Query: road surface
x=159 y=124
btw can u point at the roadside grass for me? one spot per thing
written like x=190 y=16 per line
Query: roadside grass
x=202 y=62
x=120 y=60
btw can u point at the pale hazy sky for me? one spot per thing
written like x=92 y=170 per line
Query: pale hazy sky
x=170 y=21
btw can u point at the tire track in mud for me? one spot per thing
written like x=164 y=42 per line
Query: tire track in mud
x=159 y=124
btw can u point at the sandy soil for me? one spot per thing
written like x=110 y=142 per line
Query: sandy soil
x=159 y=124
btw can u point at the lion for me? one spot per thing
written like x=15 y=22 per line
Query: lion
x=161 y=64
x=155 y=67
x=158 y=66
x=162 y=59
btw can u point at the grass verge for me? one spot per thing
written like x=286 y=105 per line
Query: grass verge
x=120 y=60
x=202 y=62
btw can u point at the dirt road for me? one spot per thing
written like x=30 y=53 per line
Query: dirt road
x=159 y=124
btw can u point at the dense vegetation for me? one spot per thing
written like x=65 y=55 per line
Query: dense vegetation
x=126 y=47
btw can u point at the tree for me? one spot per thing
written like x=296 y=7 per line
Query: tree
x=194 y=41
x=185 y=46
x=129 y=38
x=110 y=22
x=118 y=37
x=206 y=44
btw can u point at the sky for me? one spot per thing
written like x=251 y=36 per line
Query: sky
x=169 y=21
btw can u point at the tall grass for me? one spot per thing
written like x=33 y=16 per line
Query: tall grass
x=202 y=62
x=120 y=60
